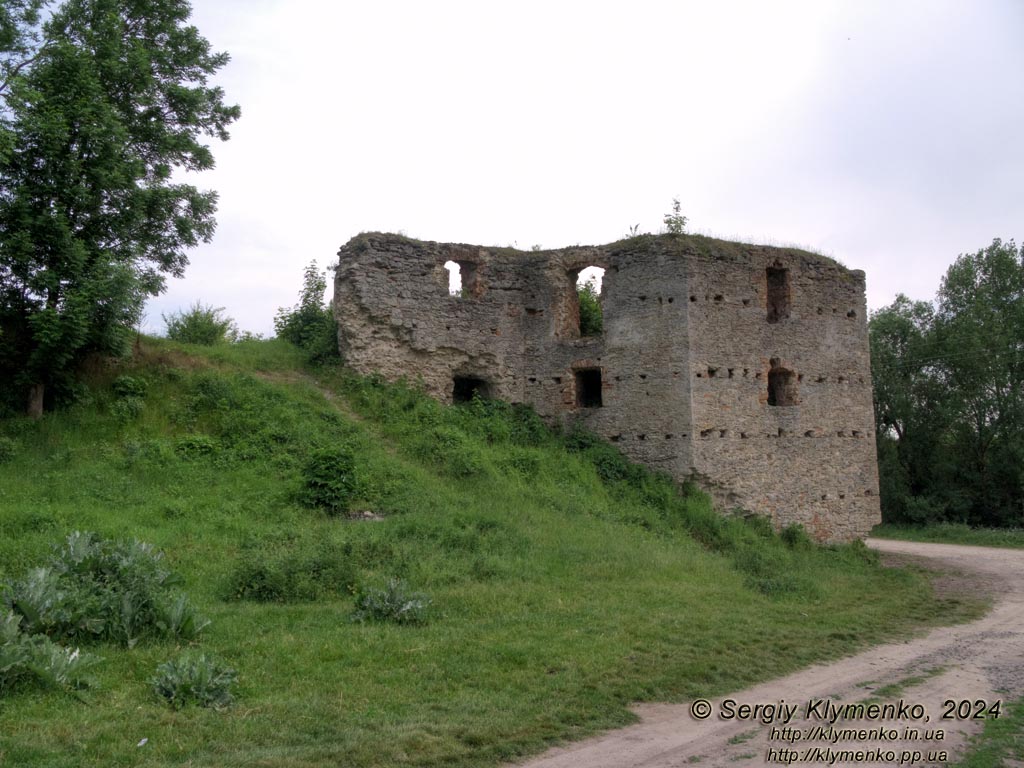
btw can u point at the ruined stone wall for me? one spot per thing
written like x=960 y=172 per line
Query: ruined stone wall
x=745 y=367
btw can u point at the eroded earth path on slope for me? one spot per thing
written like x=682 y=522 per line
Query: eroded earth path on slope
x=982 y=660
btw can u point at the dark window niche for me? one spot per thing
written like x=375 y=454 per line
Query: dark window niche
x=783 y=388
x=465 y=388
x=588 y=388
x=779 y=295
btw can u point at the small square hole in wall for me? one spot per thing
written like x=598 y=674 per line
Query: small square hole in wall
x=588 y=388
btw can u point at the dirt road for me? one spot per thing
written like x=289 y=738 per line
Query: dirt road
x=983 y=660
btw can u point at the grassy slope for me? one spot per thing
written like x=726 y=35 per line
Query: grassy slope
x=559 y=596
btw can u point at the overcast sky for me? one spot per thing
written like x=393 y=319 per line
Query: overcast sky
x=888 y=134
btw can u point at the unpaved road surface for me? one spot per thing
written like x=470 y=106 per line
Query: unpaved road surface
x=981 y=660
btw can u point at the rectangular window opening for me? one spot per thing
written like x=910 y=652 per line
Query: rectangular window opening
x=778 y=293
x=588 y=388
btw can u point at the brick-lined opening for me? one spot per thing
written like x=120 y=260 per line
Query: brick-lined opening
x=588 y=388
x=590 y=319
x=783 y=387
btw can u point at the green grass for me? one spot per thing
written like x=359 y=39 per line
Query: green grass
x=953 y=533
x=565 y=583
x=1001 y=740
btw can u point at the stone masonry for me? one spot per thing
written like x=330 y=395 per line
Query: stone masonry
x=742 y=367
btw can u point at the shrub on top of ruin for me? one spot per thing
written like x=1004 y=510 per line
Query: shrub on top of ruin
x=309 y=324
x=200 y=324
x=675 y=222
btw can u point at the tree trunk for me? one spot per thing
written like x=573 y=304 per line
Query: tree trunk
x=35 y=400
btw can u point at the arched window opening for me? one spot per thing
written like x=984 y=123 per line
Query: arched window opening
x=454 y=278
x=778 y=292
x=783 y=385
x=588 y=295
x=465 y=388
x=462 y=278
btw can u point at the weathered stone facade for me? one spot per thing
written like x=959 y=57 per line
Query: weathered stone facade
x=744 y=367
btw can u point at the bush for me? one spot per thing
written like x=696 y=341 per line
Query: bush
x=306 y=571
x=309 y=324
x=795 y=536
x=94 y=589
x=129 y=386
x=200 y=325
x=126 y=409
x=198 y=680
x=394 y=603
x=329 y=481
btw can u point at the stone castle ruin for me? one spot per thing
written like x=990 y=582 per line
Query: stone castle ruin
x=742 y=367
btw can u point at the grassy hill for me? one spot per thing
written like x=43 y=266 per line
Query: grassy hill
x=564 y=582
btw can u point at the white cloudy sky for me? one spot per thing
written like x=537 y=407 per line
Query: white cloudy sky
x=886 y=133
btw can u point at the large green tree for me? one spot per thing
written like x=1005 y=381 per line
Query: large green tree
x=113 y=100
x=949 y=395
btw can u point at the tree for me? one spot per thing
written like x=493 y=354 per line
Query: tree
x=949 y=395
x=310 y=324
x=99 y=117
x=980 y=325
x=909 y=408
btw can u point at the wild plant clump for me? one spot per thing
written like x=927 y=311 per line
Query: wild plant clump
x=329 y=480
x=394 y=603
x=35 y=659
x=93 y=590
x=198 y=680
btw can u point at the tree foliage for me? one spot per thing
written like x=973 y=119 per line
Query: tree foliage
x=111 y=99
x=310 y=324
x=949 y=395
x=591 y=317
